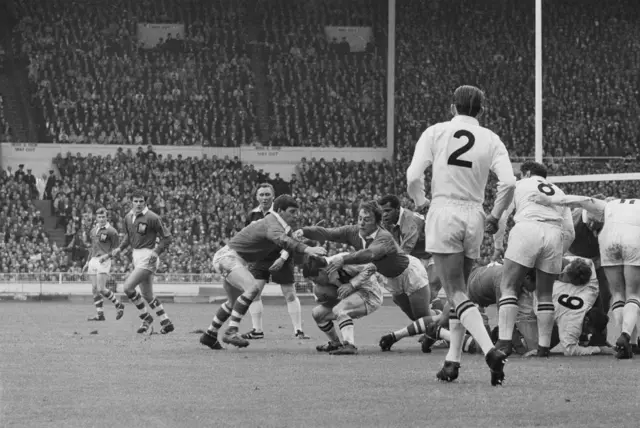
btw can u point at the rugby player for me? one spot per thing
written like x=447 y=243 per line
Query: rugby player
x=251 y=244
x=359 y=295
x=462 y=154
x=538 y=240
x=620 y=256
x=404 y=276
x=278 y=267
x=149 y=238
x=104 y=239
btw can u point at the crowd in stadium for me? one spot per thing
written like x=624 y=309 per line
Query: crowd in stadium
x=263 y=72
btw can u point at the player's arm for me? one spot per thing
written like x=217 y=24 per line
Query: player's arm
x=498 y=238
x=501 y=166
x=278 y=236
x=321 y=234
x=164 y=234
x=114 y=239
x=125 y=241
x=409 y=238
x=568 y=228
x=422 y=159
x=364 y=274
x=379 y=248
x=592 y=205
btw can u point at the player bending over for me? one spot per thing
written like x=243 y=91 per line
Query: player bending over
x=358 y=295
x=462 y=154
x=404 y=276
x=619 y=242
x=104 y=239
x=278 y=267
x=148 y=238
x=251 y=244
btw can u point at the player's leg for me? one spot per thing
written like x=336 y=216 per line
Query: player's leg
x=402 y=301
x=241 y=278
x=146 y=288
x=260 y=271
x=435 y=284
x=102 y=278
x=210 y=337
x=348 y=309
x=294 y=308
x=137 y=277
x=324 y=318
x=97 y=298
x=615 y=277
x=630 y=311
x=545 y=310
x=604 y=294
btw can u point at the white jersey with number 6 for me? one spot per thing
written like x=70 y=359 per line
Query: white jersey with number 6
x=462 y=154
x=619 y=239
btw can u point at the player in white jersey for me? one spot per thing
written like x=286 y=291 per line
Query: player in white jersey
x=462 y=154
x=619 y=242
x=538 y=240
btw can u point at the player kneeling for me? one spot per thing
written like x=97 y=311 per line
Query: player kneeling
x=350 y=293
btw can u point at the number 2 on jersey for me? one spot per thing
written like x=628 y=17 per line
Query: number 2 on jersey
x=454 y=157
x=570 y=302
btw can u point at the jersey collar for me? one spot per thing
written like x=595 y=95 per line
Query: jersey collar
x=466 y=119
x=283 y=223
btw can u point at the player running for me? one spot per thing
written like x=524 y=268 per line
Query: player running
x=359 y=295
x=251 y=244
x=149 y=238
x=277 y=266
x=104 y=239
x=404 y=276
x=538 y=240
x=462 y=154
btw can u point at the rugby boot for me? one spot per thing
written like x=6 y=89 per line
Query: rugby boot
x=430 y=337
x=146 y=326
x=329 y=346
x=495 y=360
x=97 y=317
x=505 y=346
x=253 y=335
x=449 y=372
x=346 y=349
x=120 y=311
x=211 y=340
x=386 y=342
x=300 y=335
x=232 y=337
x=624 y=350
x=167 y=326
x=543 y=352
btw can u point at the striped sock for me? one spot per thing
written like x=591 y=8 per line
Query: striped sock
x=97 y=301
x=157 y=306
x=240 y=308
x=630 y=315
x=507 y=314
x=111 y=296
x=616 y=312
x=329 y=329
x=471 y=319
x=346 y=328
x=413 y=329
x=136 y=299
x=545 y=323
x=223 y=314
x=456 y=333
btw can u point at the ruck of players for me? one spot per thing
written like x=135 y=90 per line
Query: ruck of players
x=568 y=261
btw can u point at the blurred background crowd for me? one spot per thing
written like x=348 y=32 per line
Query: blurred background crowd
x=263 y=72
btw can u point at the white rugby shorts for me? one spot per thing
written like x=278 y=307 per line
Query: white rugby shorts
x=619 y=245
x=226 y=260
x=408 y=282
x=454 y=226
x=141 y=260
x=95 y=267
x=537 y=245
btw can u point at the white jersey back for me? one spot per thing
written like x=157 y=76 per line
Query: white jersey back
x=623 y=211
x=463 y=153
x=529 y=210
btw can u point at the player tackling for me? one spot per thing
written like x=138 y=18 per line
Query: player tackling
x=462 y=154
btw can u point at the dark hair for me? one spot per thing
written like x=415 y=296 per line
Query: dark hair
x=373 y=208
x=311 y=266
x=282 y=202
x=101 y=210
x=599 y=196
x=138 y=193
x=390 y=199
x=468 y=100
x=579 y=272
x=535 y=168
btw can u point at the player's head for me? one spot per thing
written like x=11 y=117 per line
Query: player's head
x=577 y=272
x=468 y=101
x=390 y=206
x=313 y=266
x=101 y=216
x=287 y=207
x=138 y=200
x=529 y=282
x=369 y=217
x=530 y=168
x=265 y=194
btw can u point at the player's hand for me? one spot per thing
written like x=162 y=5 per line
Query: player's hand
x=345 y=290
x=316 y=251
x=103 y=258
x=607 y=350
x=298 y=234
x=422 y=209
x=334 y=265
x=498 y=255
x=491 y=224
x=277 y=265
x=115 y=252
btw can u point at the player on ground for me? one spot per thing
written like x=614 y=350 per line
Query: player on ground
x=359 y=295
x=538 y=240
x=462 y=154
x=251 y=244
x=405 y=277
x=278 y=267
x=620 y=256
x=149 y=238
x=104 y=239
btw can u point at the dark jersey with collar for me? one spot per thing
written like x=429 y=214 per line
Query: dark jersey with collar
x=255 y=215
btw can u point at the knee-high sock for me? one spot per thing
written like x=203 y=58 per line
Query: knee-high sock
x=329 y=329
x=346 y=328
x=155 y=305
x=240 y=308
x=630 y=315
x=507 y=314
x=471 y=319
x=616 y=312
x=97 y=301
x=223 y=314
x=136 y=299
x=413 y=329
x=295 y=312
x=456 y=332
x=545 y=323
x=256 y=309
x=111 y=296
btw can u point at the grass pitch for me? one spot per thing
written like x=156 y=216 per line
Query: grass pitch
x=53 y=373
